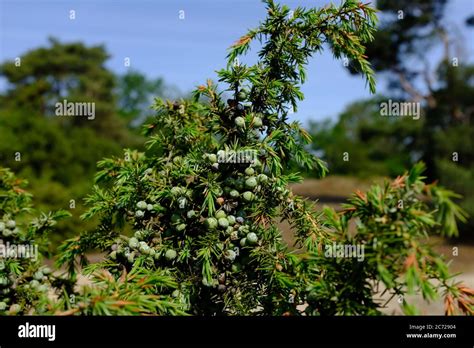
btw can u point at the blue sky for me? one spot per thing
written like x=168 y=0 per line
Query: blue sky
x=184 y=52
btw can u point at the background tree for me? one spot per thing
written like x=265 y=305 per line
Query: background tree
x=135 y=94
x=69 y=71
x=442 y=137
x=59 y=154
x=373 y=145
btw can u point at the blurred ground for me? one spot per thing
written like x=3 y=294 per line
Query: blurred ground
x=333 y=188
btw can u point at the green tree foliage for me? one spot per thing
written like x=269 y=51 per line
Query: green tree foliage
x=28 y=287
x=24 y=282
x=133 y=293
x=210 y=221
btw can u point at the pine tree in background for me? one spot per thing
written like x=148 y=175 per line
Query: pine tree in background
x=58 y=155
